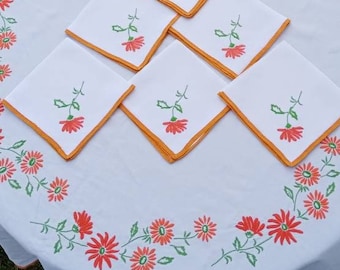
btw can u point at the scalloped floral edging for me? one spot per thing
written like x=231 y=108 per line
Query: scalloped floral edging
x=7 y=37
x=283 y=227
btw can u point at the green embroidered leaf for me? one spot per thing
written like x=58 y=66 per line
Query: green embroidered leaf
x=11 y=20
x=228 y=259
x=252 y=259
x=179 y=108
x=237 y=244
x=76 y=105
x=18 y=144
x=333 y=173
x=75 y=228
x=59 y=103
x=289 y=192
x=162 y=104
x=134 y=229
x=180 y=250
x=165 y=260
x=133 y=28
x=61 y=225
x=14 y=184
x=330 y=189
x=57 y=246
x=42 y=183
x=122 y=256
x=276 y=109
x=70 y=245
x=220 y=33
x=45 y=227
x=293 y=114
x=259 y=249
x=235 y=35
x=302 y=216
x=29 y=189
x=118 y=28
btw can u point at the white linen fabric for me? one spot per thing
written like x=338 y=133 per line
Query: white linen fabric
x=287 y=102
x=187 y=8
x=75 y=90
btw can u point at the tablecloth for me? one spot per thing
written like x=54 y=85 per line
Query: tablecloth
x=229 y=204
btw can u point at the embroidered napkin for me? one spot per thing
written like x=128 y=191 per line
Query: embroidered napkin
x=186 y=8
x=176 y=103
x=287 y=102
x=231 y=35
x=128 y=32
x=68 y=97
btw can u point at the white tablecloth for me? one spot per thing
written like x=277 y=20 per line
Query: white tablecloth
x=122 y=182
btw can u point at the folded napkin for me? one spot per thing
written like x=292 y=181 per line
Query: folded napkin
x=128 y=32
x=68 y=97
x=287 y=102
x=231 y=35
x=175 y=103
x=186 y=8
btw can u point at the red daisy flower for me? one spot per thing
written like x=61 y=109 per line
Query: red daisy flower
x=102 y=250
x=283 y=226
x=307 y=174
x=5 y=4
x=72 y=125
x=161 y=231
x=7 y=39
x=175 y=126
x=317 y=205
x=5 y=71
x=331 y=145
x=58 y=190
x=84 y=223
x=291 y=134
x=134 y=44
x=1 y=137
x=7 y=169
x=251 y=226
x=205 y=228
x=235 y=51
x=32 y=162
x=143 y=259
x=2 y=107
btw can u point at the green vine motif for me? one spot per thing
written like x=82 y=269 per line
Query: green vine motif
x=73 y=104
x=232 y=35
x=6 y=22
x=247 y=248
x=130 y=28
x=176 y=107
x=63 y=234
x=291 y=113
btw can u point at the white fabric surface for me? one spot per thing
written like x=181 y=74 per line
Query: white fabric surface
x=120 y=179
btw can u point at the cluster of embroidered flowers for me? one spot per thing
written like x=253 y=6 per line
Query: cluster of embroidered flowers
x=7 y=38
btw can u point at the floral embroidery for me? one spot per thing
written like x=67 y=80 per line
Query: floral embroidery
x=161 y=231
x=5 y=4
x=132 y=44
x=84 y=223
x=251 y=226
x=71 y=124
x=175 y=125
x=2 y=107
x=289 y=133
x=5 y=71
x=7 y=40
x=205 y=228
x=331 y=145
x=307 y=174
x=143 y=259
x=30 y=163
x=233 y=50
x=102 y=250
x=316 y=205
x=58 y=190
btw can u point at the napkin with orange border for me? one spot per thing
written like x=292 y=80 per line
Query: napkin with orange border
x=287 y=102
x=231 y=35
x=68 y=97
x=175 y=103
x=186 y=8
x=128 y=32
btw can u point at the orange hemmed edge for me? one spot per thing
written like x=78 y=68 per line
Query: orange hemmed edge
x=26 y=266
x=181 y=11
x=83 y=142
x=269 y=145
x=120 y=60
x=212 y=61
x=269 y=44
x=164 y=150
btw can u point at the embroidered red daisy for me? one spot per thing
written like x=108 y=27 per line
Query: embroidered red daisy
x=31 y=162
x=161 y=231
x=143 y=259
x=205 y=228
x=58 y=190
x=316 y=205
x=307 y=174
x=7 y=39
x=84 y=223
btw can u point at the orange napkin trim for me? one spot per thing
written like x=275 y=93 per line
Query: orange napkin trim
x=267 y=143
x=217 y=64
x=120 y=60
x=81 y=145
x=181 y=11
x=164 y=150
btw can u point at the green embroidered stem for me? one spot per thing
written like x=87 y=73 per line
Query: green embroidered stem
x=295 y=199
x=77 y=92
x=4 y=21
x=41 y=183
x=134 y=239
x=327 y=162
x=232 y=33
x=130 y=24
x=177 y=103
x=10 y=150
x=291 y=112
